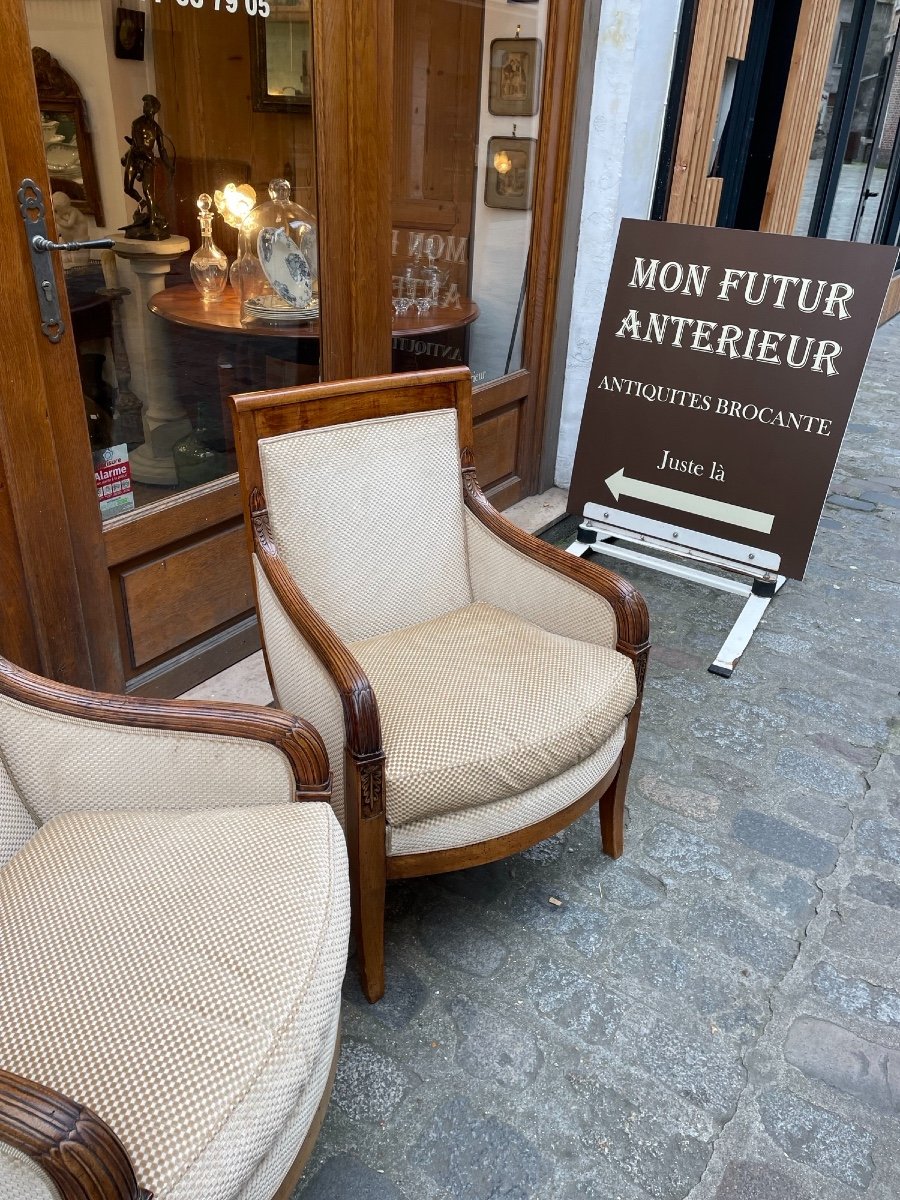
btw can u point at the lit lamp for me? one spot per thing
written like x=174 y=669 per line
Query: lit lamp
x=233 y=203
x=502 y=163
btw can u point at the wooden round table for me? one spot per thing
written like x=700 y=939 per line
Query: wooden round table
x=183 y=305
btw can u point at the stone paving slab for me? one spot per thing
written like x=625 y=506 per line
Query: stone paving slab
x=715 y=1016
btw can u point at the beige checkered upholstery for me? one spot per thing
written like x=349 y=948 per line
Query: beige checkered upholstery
x=62 y=763
x=180 y=973
x=501 y=695
x=16 y=823
x=479 y=705
x=369 y=519
x=301 y=683
x=472 y=825
x=22 y=1179
x=507 y=578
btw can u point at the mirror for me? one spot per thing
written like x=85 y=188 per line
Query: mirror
x=281 y=58
x=67 y=138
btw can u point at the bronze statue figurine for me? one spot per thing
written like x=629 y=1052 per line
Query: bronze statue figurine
x=139 y=162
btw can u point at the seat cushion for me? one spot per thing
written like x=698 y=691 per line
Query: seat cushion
x=180 y=974
x=469 y=826
x=480 y=705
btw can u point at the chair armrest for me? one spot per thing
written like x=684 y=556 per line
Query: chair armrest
x=77 y=1150
x=361 y=720
x=62 y=739
x=628 y=606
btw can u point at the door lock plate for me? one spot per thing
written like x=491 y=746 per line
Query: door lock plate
x=31 y=206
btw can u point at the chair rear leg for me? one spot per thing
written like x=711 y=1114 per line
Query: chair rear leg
x=612 y=803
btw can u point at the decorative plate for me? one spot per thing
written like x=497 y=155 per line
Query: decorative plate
x=285 y=267
x=272 y=308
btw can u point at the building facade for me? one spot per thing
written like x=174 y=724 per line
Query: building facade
x=464 y=165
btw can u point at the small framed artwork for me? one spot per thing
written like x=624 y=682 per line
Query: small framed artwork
x=515 y=86
x=129 y=33
x=509 y=182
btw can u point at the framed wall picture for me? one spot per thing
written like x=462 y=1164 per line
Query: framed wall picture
x=509 y=182
x=515 y=86
x=281 y=58
x=129 y=33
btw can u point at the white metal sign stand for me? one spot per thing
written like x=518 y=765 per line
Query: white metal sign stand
x=603 y=529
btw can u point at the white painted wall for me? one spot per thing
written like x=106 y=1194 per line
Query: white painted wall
x=631 y=81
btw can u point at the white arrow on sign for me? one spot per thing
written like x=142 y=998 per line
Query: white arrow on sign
x=717 y=510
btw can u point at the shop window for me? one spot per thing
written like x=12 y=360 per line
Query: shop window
x=211 y=95
x=467 y=88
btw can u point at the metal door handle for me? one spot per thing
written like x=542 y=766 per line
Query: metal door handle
x=44 y=245
x=31 y=206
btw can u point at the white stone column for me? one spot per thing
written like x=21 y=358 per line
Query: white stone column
x=164 y=418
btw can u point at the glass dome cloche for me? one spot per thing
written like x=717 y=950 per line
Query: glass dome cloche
x=277 y=270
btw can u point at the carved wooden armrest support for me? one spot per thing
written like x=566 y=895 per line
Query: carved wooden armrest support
x=293 y=736
x=628 y=605
x=79 y=1152
x=361 y=720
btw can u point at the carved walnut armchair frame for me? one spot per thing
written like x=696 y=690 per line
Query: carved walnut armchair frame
x=75 y=1147
x=268 y=414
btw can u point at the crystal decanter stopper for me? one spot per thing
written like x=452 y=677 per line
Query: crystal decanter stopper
x=209 y=266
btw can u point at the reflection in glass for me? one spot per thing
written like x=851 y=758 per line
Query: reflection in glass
x=157 y=361
x=860 y=195
x=467 y=84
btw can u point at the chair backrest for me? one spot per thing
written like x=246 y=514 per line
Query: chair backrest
x=16 y=823
x=364 y=494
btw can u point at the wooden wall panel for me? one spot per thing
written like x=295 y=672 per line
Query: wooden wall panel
x=202 y=64
x=184 y=595
x=437 y=76
x=720 y=33
x=809 y=63
x=496 y=441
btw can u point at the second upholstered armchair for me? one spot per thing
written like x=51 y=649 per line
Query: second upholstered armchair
x=477 y=690
x=174 y=915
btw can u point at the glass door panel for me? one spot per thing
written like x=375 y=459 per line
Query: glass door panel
x=838 y=72
x=867 y=156
x=467 y=89
x=144 y=112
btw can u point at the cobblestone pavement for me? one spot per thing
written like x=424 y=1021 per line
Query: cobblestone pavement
x=717 y=1014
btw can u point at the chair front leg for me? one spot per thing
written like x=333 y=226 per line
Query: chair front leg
x=364 y=799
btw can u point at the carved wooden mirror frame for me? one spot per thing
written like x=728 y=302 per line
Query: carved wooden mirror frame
x=59 y=93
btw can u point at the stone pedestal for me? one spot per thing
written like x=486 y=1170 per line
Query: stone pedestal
x=164 y=418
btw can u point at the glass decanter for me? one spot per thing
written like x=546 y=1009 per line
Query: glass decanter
x=209 y=266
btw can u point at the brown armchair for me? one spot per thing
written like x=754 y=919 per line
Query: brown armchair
x=173 y=938
x=477 y=690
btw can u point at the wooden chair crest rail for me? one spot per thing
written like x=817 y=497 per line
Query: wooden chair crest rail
x=388 y=588
x=174 y=941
